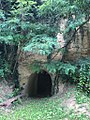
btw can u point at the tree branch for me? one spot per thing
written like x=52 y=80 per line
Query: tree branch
x=71 y=39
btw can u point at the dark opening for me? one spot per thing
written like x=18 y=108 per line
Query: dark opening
x=39 y=85
x=44 y=84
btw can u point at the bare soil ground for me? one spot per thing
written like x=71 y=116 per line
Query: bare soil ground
x=71 y=104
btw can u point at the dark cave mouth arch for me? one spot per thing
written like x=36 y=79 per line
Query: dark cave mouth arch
x=40 y=84
x=44 y=84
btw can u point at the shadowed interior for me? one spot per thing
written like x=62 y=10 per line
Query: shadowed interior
x=39 y=85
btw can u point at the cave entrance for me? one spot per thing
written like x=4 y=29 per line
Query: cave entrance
x=44 y=84
x=40 y=85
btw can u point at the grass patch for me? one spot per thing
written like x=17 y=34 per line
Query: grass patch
x=43 y=109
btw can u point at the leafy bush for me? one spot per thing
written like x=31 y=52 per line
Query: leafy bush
x=41 y=44
x=79 y=74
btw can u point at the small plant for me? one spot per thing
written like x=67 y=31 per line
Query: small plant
x=80 y=97
x=16 y=91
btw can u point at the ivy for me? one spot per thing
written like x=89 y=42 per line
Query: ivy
x=83 y=79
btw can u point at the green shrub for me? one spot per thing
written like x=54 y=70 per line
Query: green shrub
x=4 y=68
x=77 y=73
x=83 y=79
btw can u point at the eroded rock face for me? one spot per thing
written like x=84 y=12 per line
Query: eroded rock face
x=24 y=67
x=38 y=84
x=80 y=47
x=27 y=79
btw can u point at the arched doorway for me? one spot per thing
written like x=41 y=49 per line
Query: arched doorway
x=39 y=85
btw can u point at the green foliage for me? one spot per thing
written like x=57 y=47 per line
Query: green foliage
x=53 y=108
x=4 y=68
x=62 y=68
x=78 y=73
x=54 y=67
x=22 y=25
x=35 y=67
x=81 y=98
x=83 y=77
x=19 y=26
x=15 y=92
x=41 y=44
x=41 y=38
x=13 y=27
x=52 y=10
x=73 y=10
x=84 y=6
x=18 y=17
x=33 y=26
